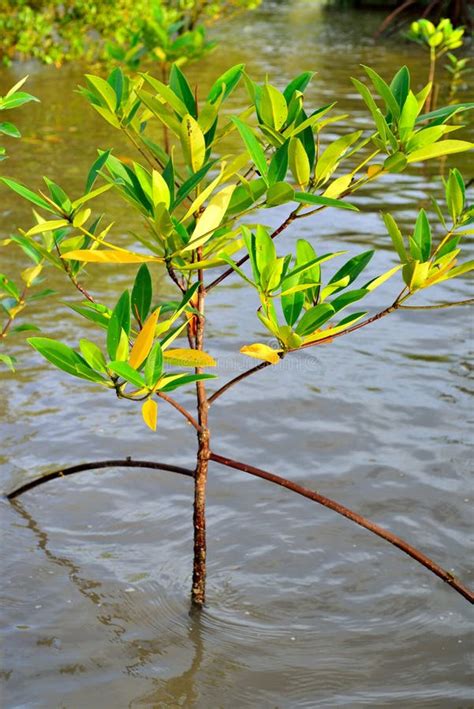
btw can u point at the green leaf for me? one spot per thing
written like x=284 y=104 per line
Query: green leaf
x=179 y=84
x=17 y=99
x=273 y=107
x=279 y=165
x=307 y=198
x=154 y=365
x=64 y=358
x=396 y=236
x=443 y=114
x=96 y=167
x=253 y=146
x=93 y=355
x=142 y=294
x=299 y=83
x=353 y=267
x=124 y=370
x=119 y=320
x=422 y=235
x=103 y=90
x=183 y=379
x=8 y=361
x=455 y=194
x=400 y=86
x=440 y=149
x=314 y=318
x=408 y=116
x=27 y=194
x=279 y=193
x=116 y=80
x=384 y=91
x=10 y=130
x=229 y=79
x=348 y=297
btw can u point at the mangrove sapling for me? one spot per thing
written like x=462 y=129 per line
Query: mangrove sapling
x=193 y=199
x=439 y=40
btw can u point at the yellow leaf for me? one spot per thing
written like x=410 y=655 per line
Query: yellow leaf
x=264 y=352
x=47 y=226
x=189 y=358
x=299 y=162
x=160 y=190
x=29 y=274
x=211 y=218
x=150 y=413
x=81 y=217
x=109 y=256
x=373 y=170
x=193 y=143
x=143 y=344
x=338 y=186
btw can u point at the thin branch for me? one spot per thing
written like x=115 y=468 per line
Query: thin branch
x=122 y=463
x=389 y=19
x=179 y=408
x=21 y=302
x=437 y=306
x=236 y=380
x=290 y=218
x=321 y=341
x=401 y=544
x=67 y=270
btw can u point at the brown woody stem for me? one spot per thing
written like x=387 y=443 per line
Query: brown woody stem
x=401 y=544
x=184 y=412
x=198 y=589
x=122 y=463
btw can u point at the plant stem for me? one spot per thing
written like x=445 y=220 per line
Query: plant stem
x=179 y=408
x=122 y=463
x=198 y=591
x=431 y=79
x=20 y=304
x=354 y=517
x=290 y=218
x=322 y=341
x=236 y=380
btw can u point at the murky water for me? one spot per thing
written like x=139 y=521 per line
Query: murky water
x=304 y=609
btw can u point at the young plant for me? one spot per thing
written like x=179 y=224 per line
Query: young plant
x=192 y=197
x=439 y=40
x=56 y=31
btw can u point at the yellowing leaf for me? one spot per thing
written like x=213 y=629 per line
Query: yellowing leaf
x=338 y=186
x=29 y=274
x=109 y=256
x=373 y=170
x=211 y=218
x=47 y=226
x=160 y=190
x=144 y=342
x=81 y=217
x=439 y=149
x=299 y=162
x=150 y=413
x=189 y=358
x=376 y=282
x=263 y=352
x=193 y=143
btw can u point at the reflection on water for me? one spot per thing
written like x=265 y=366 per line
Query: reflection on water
x=305 y=609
